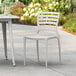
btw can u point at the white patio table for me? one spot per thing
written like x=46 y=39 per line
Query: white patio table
x=4 y=19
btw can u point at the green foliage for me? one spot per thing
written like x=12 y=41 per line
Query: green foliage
x=25 y=1
x=70 y=24
x=42 y=1
x=31 y=12
x=1 y=9
x=62 y=19
x=7 y=3
x=64 y=7
x=70 y=15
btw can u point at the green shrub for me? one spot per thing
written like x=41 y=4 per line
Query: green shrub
x=25 y=1
x=70 y=25
x=62 y=19
x=7 y=2
x=61 y=6
x=70 y=15
x=31 y=12
x=1 y=9
x=43 y=1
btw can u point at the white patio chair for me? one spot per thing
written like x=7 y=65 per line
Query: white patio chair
x=47 y=23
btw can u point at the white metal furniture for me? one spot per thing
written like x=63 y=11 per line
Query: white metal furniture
x=4 y=19
x=47 y=23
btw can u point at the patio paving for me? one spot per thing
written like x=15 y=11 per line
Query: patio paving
x=33 y=68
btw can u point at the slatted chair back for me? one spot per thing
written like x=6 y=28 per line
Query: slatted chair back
x=48 y=21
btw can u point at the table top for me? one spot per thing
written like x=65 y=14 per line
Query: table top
x=2 y=16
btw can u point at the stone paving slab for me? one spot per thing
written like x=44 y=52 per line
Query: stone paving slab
x=68 y=45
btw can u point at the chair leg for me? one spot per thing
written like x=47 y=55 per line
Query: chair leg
x=37 y=50
x=59 y=47
x=24 y=51
x=46 y=53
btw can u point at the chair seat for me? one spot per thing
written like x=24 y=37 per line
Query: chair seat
x=39 y=36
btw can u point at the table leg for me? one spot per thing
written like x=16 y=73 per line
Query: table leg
x=11 y=40
x=4 y=38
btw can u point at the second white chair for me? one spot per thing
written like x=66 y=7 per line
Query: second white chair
x=47 y=23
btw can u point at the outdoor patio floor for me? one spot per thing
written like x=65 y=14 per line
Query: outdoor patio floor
x=33 y=68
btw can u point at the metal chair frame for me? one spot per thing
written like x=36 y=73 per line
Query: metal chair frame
x=45 y=19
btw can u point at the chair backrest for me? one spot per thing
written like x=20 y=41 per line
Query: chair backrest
x=47 y=21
